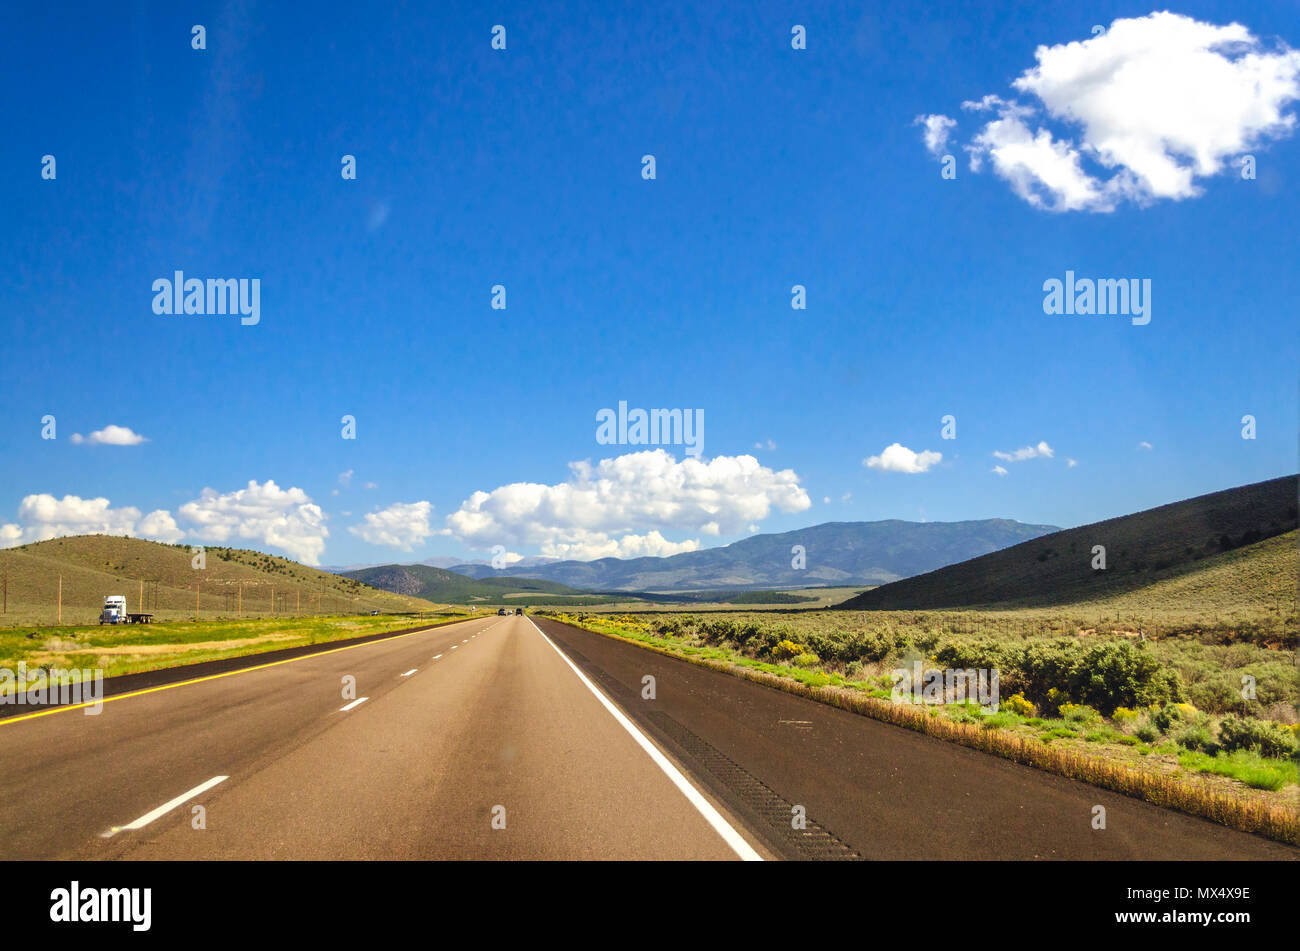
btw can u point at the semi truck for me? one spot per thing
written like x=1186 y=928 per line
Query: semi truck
x=115 y=612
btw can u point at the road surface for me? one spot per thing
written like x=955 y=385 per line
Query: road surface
x=501 y=738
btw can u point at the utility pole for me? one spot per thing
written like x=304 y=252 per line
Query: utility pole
x=272 y=602
x=140 y=599
x=296 y=611
x=60 y=599
x=241 y=599
x=6 y=587
x=196 y=600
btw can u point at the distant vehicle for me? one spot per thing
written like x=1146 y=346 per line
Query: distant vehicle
x=519 y=610
x=501 y=612
x=115 y=612
x=374 y=613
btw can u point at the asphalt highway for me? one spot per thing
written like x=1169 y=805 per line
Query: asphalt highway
x=501 y=738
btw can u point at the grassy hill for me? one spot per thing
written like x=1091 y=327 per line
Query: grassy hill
x=161 y=576
x=439 y=584
x=1151 y=548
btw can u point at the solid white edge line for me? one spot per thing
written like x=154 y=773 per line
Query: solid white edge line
x=411 y=671
x=714 y=818
x=436 y=656
x=355 y=703
x=167 y=807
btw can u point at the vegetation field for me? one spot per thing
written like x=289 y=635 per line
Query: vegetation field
x=126 y=649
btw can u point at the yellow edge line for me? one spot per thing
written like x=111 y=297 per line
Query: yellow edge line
x=228 y=673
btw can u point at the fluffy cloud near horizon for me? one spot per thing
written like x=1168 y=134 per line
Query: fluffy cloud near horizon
x=402 y=525
x=110 y=435
x=898 y=458
x=285 y=518
x=42 y=517
x=621 y=505
x=1154 y=104
x=1041 y=451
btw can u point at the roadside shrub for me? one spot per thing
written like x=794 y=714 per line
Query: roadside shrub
x=1124 y=715
x=1266 y=738
x=787 y=649
x=1051 y=702
x=1197 y=739
x=1017 y=704
x=805 y=660
x=1079 y=713
x=1147 y=733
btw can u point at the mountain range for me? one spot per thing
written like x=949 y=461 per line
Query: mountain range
x=834 y=554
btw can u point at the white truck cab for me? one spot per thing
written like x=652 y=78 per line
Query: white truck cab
x=114 y=610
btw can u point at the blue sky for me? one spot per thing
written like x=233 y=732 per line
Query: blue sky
x=523 y=167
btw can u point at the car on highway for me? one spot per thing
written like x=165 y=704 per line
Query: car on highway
x=501 y=612
x=519 y=610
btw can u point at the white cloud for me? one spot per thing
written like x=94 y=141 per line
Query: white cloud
x=768 y=445
x=372 y=485
x=42 y=517
x=1145 y=445
x=1041 y=451
x=402 y=525
x=846 y=497
x=898 y=458
x=160 y=526
x=826 y=500
x=345 y=478
x=586 y=546
x=999 y=470
x=285 y=518
x=628 y=501
x=1154 y=104
x=110 y=436
x=937 y=130
x=1071 y=463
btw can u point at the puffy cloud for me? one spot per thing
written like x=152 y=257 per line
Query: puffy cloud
x=1154 y=104
x=402 y=525
x=285 y=518
x=937 y=130
x=1041 y=451
x=898 y=458
x=160 y=526
x=999 y=470
x=628 y=500
x=110 y=436
x=586 y=546
x=42 y=517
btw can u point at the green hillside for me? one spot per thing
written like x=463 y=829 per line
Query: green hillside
x=1155 y=546
x=160 y=579
x=439 y=584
